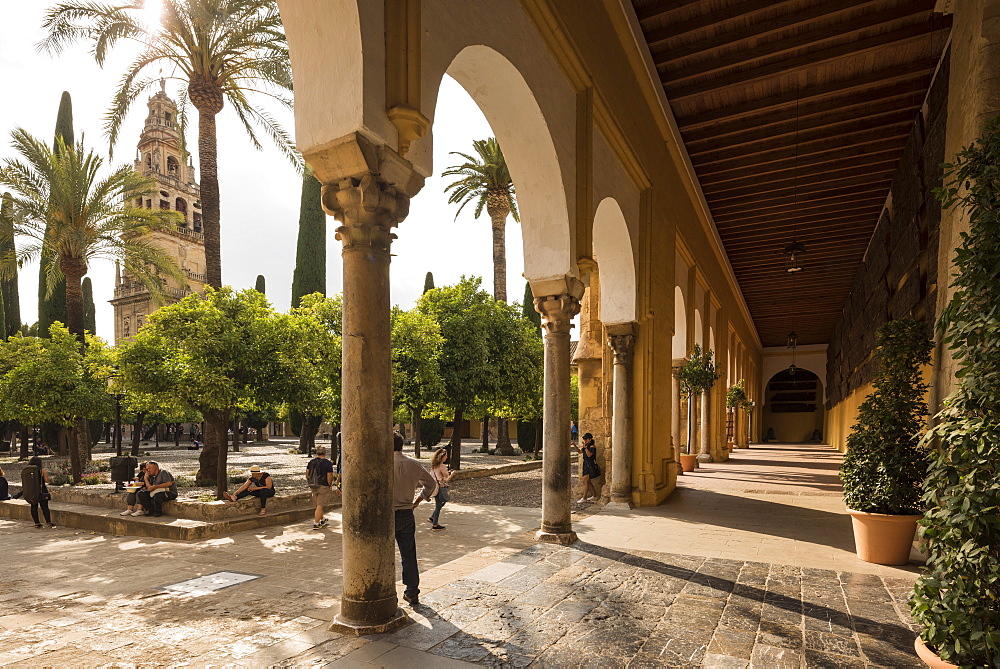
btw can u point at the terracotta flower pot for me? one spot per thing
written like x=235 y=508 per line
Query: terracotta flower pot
x=883 y=538
x=929 y=657
x=689 y=462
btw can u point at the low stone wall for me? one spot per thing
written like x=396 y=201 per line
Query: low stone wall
x=206 y=511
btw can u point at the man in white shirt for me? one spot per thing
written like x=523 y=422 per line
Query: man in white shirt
x=408 y=474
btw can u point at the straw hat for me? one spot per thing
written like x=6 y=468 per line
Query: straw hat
x=254 y=469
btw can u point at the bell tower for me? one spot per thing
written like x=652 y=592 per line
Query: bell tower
x=160 y=154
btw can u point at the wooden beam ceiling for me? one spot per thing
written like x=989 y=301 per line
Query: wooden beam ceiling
x=794 y=114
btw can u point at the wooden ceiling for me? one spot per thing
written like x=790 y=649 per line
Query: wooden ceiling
x=794 y=113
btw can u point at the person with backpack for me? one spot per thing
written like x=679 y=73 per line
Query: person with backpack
x=319 y=476
x=34 y=485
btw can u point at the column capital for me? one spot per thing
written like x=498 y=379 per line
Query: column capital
x=558 y=301
x=354 y=156
x=368 y=208
x=621 y=339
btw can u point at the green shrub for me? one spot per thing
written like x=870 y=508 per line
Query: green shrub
x=184 y=482
x=59 y=478
x=93 y=479
x=431 y=431
x=957 y=601
x=883 y=469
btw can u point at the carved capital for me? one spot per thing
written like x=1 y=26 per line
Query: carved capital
x=557 y=311
x=621 y=339
x=368 y=208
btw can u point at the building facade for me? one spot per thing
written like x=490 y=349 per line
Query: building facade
x=161 y=155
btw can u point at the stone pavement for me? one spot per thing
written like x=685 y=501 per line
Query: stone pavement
x=639 y=589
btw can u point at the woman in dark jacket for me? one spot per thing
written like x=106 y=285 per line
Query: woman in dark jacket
x=591 y=470
x=5 y=488
x=41 y=495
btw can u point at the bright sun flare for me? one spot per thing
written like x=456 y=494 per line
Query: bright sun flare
x=152 y=11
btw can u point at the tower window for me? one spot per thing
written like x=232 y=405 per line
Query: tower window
x=149 y=204
x=197 y=222
x=164 y=204
x=166 y=116
x=173 y=167
x=138 y=202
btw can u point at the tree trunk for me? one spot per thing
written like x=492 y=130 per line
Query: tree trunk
x=538 y=437
x=486 y=435
x=213 y=440
x=262 y=432
x=455 y=447
x=137 y=432
x=236 y=435
x=177 y=435
x=416 y=418
x=307 y=433
x=216 y=423
x=24 y=443
x=209 y=166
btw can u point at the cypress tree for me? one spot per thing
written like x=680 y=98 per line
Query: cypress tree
x=310 y=251
x=8 y=287
x=259 y=286
x=530 y=432
x=428 y=282
x=89 y=309
x=52 y=307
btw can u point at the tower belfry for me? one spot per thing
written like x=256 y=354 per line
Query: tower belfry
x=160 y=154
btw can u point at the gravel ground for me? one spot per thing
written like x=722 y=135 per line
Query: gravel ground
x=523 y=489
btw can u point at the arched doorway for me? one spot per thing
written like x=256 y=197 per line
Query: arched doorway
x=794 y=407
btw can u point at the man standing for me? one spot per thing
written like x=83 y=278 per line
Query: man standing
x=319 y=475
x=160 y=488
x=407 y=475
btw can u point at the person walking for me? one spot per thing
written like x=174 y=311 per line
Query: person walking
x=408 y=474
x=319 y=476
x=34 y=484
x=439 y=470
x=259 y=484
x=591 y=470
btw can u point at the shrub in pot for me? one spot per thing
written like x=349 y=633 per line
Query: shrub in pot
x=697 y=376
x=957 y=600
x=735 y=397
x=884 y=466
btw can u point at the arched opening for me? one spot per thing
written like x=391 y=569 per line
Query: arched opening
x=794 y=407
x=613 y=252
x=173 y=167
x=679 y=343
x=180 y=205
x=522 y=131
x=699 y=330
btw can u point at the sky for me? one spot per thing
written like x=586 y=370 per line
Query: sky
x=259 y=190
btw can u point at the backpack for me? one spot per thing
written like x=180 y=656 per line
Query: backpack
x=313 y=476
x=31 y=479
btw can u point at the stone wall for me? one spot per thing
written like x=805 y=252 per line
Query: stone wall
x=899 y=276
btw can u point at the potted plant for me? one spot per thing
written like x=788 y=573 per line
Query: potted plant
x=884 y=466
x=748 y=406
x=735 y=397
x=696 y=377
x=957 y=600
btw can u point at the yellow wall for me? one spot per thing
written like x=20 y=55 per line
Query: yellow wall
x=842 y=416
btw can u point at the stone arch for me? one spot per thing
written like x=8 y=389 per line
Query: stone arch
x=679 y=343
x=511 y=109
x=613 y=252
x=699 y=330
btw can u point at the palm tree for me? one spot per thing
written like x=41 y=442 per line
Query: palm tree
x=219 y=49
x=72 y=218
x=485 y=180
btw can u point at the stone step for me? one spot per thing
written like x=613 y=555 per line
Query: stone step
x=101 y=519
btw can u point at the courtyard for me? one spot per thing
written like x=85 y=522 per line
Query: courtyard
x=748 y=572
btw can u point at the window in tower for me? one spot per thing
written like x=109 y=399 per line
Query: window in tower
x=181 y=206
x=138 y=202
x=149 y=162
x=149 y=204
x=173 y=167
x=164 y=205
x=197 y=222
x=166 y=116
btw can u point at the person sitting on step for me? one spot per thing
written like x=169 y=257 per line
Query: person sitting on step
x=5 y=489
x=259 y=484
x=132 y=498
x=160 y=488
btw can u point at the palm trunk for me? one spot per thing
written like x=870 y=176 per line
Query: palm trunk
x=455 y=447
x=498 y=218
x=75 y=270
x=210 y=210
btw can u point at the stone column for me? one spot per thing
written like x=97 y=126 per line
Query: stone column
x=621 y=338
x=368 y=201
x=675 y=416
x=705 y=427
x=559 y=302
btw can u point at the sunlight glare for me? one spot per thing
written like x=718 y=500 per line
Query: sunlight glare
x=151 y=14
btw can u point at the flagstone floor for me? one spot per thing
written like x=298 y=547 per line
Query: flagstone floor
x=678 y=585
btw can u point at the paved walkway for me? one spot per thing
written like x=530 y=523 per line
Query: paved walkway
x=679 y=585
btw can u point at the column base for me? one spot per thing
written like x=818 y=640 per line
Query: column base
x=352 y=628
x=619 y=505
x=561 y=538
x=705 y=457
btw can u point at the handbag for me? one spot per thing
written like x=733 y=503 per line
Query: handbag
x=442 y=494
x=596 y=471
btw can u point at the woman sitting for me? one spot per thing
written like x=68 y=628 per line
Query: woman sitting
x=5 y=488
x=259 y=484
x=133 y=508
